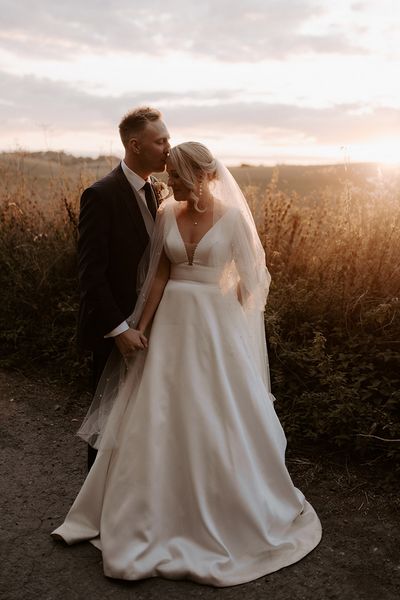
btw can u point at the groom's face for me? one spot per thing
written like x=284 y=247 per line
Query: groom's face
x=153 y=146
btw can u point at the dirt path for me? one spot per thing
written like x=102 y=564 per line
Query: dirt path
x=42 y=466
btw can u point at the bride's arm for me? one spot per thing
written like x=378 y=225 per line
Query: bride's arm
x=156 y=292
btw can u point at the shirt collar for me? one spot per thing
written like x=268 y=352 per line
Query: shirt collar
x=134 y=179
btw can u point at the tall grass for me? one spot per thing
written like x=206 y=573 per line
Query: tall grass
x=38 y=276
x=332 y=318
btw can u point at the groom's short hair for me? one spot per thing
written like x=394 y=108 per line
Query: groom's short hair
x=136 y=120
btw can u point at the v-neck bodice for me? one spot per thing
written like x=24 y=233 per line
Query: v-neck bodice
x=213 y=249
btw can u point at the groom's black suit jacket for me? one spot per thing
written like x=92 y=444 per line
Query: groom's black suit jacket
x=112 y=240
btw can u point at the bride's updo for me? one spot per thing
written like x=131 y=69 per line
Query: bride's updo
x=193 y=163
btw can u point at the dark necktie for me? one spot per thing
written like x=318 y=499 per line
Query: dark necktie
x=151 y=205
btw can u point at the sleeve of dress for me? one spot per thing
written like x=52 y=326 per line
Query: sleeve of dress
x=149 y=263
x=254 y=281
x=249 y=257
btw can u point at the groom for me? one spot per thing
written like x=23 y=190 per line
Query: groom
x=115 y=223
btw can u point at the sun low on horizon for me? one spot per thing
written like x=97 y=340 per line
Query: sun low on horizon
x=386 y=152
x=296 y=82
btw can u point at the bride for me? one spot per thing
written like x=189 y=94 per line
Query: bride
x=190 y=479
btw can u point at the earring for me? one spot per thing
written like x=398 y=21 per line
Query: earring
x=200 y=189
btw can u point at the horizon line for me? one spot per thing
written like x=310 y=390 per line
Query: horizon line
x=240 y=164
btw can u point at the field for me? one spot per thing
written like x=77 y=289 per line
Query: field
x=332 y=320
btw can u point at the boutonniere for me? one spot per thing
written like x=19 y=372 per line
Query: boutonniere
x=161 y=190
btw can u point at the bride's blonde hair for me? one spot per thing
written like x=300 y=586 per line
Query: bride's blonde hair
x=193 y=163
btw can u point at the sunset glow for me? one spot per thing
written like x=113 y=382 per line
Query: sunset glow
x=381 y=151
x=264 y=82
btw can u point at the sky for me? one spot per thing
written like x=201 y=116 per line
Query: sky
x=257 y=81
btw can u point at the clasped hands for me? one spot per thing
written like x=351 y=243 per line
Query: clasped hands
x=129 y=341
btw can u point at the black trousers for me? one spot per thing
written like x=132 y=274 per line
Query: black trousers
x=99 y=359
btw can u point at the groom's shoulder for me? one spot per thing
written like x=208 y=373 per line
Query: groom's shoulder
x=108 y=182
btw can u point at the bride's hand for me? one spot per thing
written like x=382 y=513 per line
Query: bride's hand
x=129 y=341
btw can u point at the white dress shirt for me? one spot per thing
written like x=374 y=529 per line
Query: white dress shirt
x=137 y=184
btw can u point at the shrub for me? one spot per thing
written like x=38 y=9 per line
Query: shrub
x=38 y=275
x=332 y=318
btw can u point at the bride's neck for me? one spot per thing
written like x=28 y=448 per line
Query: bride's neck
x=205 y=204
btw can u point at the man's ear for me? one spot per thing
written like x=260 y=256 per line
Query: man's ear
x=134 y=145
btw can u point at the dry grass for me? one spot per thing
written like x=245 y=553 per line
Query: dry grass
x=332 y=317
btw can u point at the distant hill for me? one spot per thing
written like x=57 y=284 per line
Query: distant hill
x=39 y=167
x=50 y=164
x=310 y=179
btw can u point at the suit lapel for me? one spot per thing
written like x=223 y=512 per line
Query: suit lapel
x=131 y=200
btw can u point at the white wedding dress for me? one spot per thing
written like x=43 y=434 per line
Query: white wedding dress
x=196 y=485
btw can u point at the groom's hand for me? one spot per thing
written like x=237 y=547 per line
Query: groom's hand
x=129 y=341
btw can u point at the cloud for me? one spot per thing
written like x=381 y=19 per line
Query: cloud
x=228 y=31
x=29 y=100
x=29 y=103
x=340 y=124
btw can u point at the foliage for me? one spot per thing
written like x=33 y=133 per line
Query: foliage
x=332 y=318
x=38 y=274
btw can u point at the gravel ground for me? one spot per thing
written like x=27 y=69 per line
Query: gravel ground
x=42 y=467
